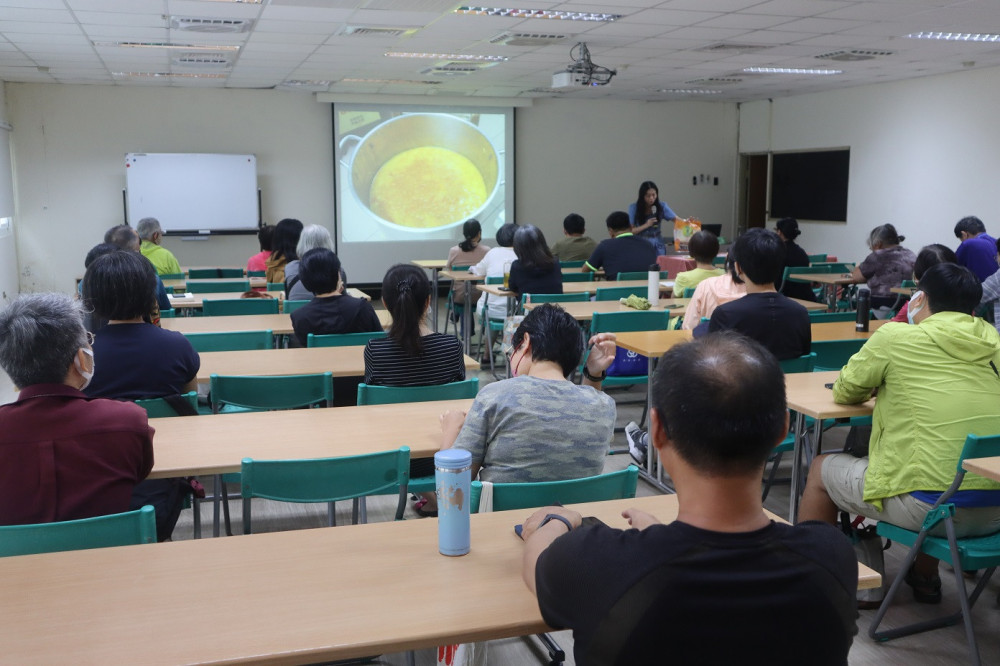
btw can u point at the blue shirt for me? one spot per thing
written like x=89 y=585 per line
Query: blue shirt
x=654 y=231
x=137 y=361
x=979 y=255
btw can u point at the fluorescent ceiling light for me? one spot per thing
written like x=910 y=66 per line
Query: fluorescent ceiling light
x=447 y=56
x=167 y=75
x=169 y=45
x=689 y=91
x=240 y=2
x=384 y=81
x=537 y=13
x=790 y=70
x=956 y=36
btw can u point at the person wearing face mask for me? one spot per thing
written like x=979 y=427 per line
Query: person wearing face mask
x=538 y=425
x=937 y=382
x=931 y=255
x=63 y=456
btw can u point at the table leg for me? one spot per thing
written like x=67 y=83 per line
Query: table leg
x=434 y=300
x=467 y=316
x=653 y=472
x=797 y=456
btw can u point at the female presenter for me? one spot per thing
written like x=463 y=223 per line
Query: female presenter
x=647 y=213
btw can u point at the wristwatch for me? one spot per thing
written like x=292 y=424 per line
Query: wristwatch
x=555 y=516
x=600 y=378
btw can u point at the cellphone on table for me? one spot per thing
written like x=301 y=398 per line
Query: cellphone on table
x=503 y=288
x=829 y=386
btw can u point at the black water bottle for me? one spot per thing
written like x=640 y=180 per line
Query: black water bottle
x=864 y=306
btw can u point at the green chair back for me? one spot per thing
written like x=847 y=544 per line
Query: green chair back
x=834 y=354
x=291 y=306
x=172 y=276
x=689 y=292
x=572 y=264
x=325 y=479
x=817 y=259
x=274 y=392
x=508 y=496
x=343 y=339
x=578 y=277
x=252 y=274
x=212 y=287
x=168 y=314
x=581 y=297
x=719 y=261
x=640 y=275
x=625 y=322
x=909 y=283
x=615 y=293
x=387 y=395
x=836 y=267
x=800 y=364
x=826 y=317
x=118 y=529
x=231 y=341
x=239 y=306
x=214 y=273
x=159 y=408
x=275 y=286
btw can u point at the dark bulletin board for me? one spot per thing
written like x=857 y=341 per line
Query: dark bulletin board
x=810 y=185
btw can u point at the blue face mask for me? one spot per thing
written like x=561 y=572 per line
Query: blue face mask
x=914 y=307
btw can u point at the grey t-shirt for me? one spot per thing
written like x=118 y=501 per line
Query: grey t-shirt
x=527 y=429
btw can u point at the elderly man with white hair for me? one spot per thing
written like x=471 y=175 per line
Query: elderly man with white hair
x=151 y=235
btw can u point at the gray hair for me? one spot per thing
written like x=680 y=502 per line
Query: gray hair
x=148 y=226
x=39 y=336
x=312 y=237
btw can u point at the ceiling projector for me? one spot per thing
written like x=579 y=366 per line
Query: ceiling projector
x=582 y=73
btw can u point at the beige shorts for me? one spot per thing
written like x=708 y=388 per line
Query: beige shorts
x=844 y=479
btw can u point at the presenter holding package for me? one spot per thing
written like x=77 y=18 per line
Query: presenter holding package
x=648 y=213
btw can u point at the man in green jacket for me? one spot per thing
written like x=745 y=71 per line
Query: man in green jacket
x=937 y=381
x=163 y=260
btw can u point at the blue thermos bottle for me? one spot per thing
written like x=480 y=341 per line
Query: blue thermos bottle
x=452 y=470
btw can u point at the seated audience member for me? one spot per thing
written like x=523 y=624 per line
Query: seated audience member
x=312 y=236
x=330 y=311
x=991 y=292
x=538 y=425
x=470 y=251
x=258 y=262
x=711 y=293
x=770 y=318
x=126 y=238
x=787 y=229
x=535 y=271
x=692 y=590
x=492 y=265
x=886 y=267
x=977 y=250
x=930 y=255
x=703 y=248
x=575 y=246
x=62 y=456
x=135 y=359
x=283 y=243
x=623 y=252
x=151 y=236
x=937 y=383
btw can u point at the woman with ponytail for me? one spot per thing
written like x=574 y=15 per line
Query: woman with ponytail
x=470 y=251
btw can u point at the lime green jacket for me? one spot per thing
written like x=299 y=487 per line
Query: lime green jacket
x=690 y=279
x=163 y=260
x=935 y=386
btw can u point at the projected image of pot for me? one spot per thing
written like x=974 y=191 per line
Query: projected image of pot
x=424 y=171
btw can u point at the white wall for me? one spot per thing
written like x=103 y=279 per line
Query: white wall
x=8 y=253
x=923 y=154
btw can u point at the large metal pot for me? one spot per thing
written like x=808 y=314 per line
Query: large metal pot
x=365 y=156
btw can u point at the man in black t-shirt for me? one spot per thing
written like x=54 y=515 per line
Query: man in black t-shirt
x=722 y=584
x=623 y=252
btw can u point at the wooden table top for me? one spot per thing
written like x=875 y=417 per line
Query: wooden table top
x=296 y=597
x=988 y=467
x=666 y=286
x=461 y=276
x=198 y=300
x=843 y=330
x=651 y=343
x=215 y=444
x=279 y=324
x=181 y=284
x=432 y=264
x=824 y=278
x=905 y=291
x=585 y=311
x=341 y=361
x=807 y=394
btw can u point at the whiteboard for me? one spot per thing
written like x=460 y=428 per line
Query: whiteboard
x=193 y=192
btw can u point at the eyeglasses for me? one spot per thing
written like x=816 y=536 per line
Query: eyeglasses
x=90 y=338
x=509 y=354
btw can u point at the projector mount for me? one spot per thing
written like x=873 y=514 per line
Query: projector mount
x=583 y=70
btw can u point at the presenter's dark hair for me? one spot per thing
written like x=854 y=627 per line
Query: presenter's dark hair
x=703 y=246
x=789 y=228
x=971 y=225
x=265 y=236
x=618 y=221
x=120 y=285
x=761 y=255
x=555 y=336
x=531 y=249
x=932 y=255
x=406 y=292
x=285 y=238
x=470 y=231
x=505 y=235
x=640 y=203
x=721 y=401
x=574 y=224
x=951 y=288
x=319 y=270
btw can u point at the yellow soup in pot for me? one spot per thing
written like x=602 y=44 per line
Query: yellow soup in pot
x=427 y=187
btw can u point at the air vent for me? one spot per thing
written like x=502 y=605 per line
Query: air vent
x=528 y=39
x=201 y=60
x=734 y=48
x=210 y=25
x=855 y=55
x=714 y=81
x=375 y=31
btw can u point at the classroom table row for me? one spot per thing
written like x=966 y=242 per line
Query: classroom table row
x=191 y=301
x=294 y=597
x=279 y=324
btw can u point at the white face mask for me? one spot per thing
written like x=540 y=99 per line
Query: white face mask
x=87 y=376
x=912 y=311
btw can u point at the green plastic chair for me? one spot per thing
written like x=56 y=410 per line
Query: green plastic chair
x=508 y=496
x=826 y=317
x=218 y=287
x=615 y=293
x=291 y=306
x=253 y=274
x=578 y=277
x=689 y=292
x=581 y=297
x=641 y=275
x=835 y=267
x=239 y=306
x=492 y=329
x=172 y=276
x=231 y=341
x=963 y=554
x=118 y=529
x=817 y=259
x=801 y=269
x=214 y=273
x=326 y=480
x=788 y=366
x=834 y=354
x=275 y=286
x=157 y=408
x=168 y=314
x=369 y=394
x=719 y=261
x=343 y=339
x=800 y=364
x=453 y=309
x=572 y=264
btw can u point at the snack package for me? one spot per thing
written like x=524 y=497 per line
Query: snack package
x=683 y=230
